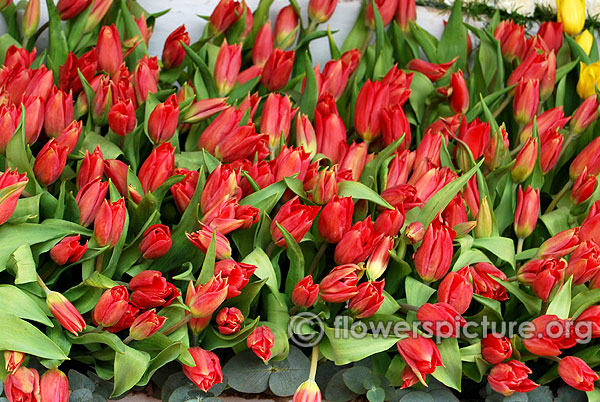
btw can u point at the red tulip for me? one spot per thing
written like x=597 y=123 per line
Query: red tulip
x=549 y=335
x=406 y=13
x=340 y=284
x=58 y=112
x=308 y=391
x=111 y=306
x=434 y=255
x=18 y=57
x=525 y=161
x=227 y=67
x=459 y=98
x=305 y=293
x=495 y=348
x=368 y=299
x=588 y=158
x=585 y=115
x=512 y=39
x=64 y=311
x=321 y=11
x=552 y=119
x=23 y=386
x=9 y=120
x=261 y=341
x=68 y=250
x=108 y=46
x=394 y=124
x=157 y=168
x=229 y=320
x=386 y=9
x=156 y=242
x=354 y=160
x=526 y=214
x=225 y=14
x=526 y=100
x=131 y=313
x=560 y=244
x=482 y=275
x=305 y=135
x=286 y=27
x=380 y=257
x=202 y=238
x=456 y=290
x=422 y=357
x=276 y=119
x=242 y=143
x=13 y=360
x=356 y=244
x=162 y=122
x=91 y=168
x=433 y=71
x=277 y=69
x=50 y=162
x=237 y=275
x=12 y=185
x=183 y=191
x=109 y=222
x=150 y=289
x=68 y=78
x=584 y=263
x=336 y=219
x=590 y=316
x=31 y=18
x=372 y=99
x=145 y=78
x=552 y=34
x=496 y=149
x=34 y=110
x=440 y=319
x=510 y=377
x=263 y=45
x=330 y=129
x=583 y=188
x=54 y=386
x=550 y=147
x=576 y=373
x=207 y=370
x=399 y=168
x=70 y=136
x=146 y=325
x=121 y=117
x=173 y=52
x=295 y=218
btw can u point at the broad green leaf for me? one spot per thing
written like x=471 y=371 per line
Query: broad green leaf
x=583 y=300
x=22 y=264
x=531 y=303
x=557 y=220
x=264 y=270
x=19 y=335
x=358 y=190
x=561 y=303
x=451 y=374
x=294 y=253
x=129 y=369
x=21 y=305
x=341 y=347
x=208 y=266
x=109 y=150
x=106 y=338
x=266 y=198
x=310 y=95
x=165 y=356
x=502 y=247
x=454 y=38
x=215 y=340
x=58 y=47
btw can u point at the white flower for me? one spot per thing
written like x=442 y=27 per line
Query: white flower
x=546 y=4
x=592 y=7
x=523 y=7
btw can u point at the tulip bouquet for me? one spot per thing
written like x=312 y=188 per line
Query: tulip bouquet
x=418 y=217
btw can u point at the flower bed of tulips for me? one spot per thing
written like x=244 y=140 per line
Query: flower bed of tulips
x=231 y=218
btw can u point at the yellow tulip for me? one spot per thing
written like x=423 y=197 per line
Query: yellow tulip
x=585 y=40
x=572 y=14
x=589 y=78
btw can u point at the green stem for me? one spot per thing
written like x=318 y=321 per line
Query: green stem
x=270 y=248
x=42 y=285
x=520 y=245
x=558 y=197
x=313 y=362
x=408 y=307
x=566 y=144
x=365 y=45
x=99 y=260
x=127 y=340
x=311 y=27
x=502 y=106
x=317 y=258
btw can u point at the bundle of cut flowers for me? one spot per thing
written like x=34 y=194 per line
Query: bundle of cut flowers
x=416 y=218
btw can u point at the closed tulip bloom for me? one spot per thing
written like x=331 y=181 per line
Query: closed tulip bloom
x=146 y=325
x=483 y=284
x=386 y=9
x=23 y=386
x=484 y=220
x=156 y=242
x=99 y=10
x=13 y=360
x=157 y=168
x=68 y=250
x=145 y=78
x=572 y=15
x=220 y=186
x=584 y=263
x=440 y=319
x=108 y=46
x=162 y=122
x=534 y=66
x=549 y=278
x=308 y=391
x=305 y=293
x=421 y=355
x=368 y=299
x=207 y=371
x=576 y=373
x=34 y=110
x=549 y=335
x=588 y=158
x=291 y=162
x=527 y=211
x=406 y=13
x=525 y=161
x=496 y=149
x=242 y=143
x=584 y=116
x=434 y=255
x=336 y=219
x=50 y=162
x=414 y=232
x=150 y=289
x=12 y=185
x=227 y=67
x=394 y=125
x=286 y=27
x=54 y=386
x=68 y=77
x=261 y=341
x=380 y=257
x=354 y=160
x=111 y=306
x=295 y=218
x=527 y=98
x=70 y=136
x=31 y=18
x=183 y=191
x=277 y=69
x=583 y=188
x=276 y=119
x=325 y=187
x=237 y=275
x=340 y=284
x=173 y=52
x=89 y=199
x=560 y=244
x=512 y=39
x=390 y=221
x=109 y=222
x=372 y=99
x=510 y=377
x=591 y=316
x=330 y=129
x=321 y=11
x=305 y=135
x=263 y=45
x=550 y=147
x=9 y=120
x=91 y=168
x=433 y=71
x=552 y=33
x=121 y=117
x=456 y=290
x=58 y=112
x=356 y=244
x=495 y=348
x=552 y=119
x=585 y=40
x=229 y=320
x=202 y=238
x=64 y=311
x=459 y=99
x=589 y=77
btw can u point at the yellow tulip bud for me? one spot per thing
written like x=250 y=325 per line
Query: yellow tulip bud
x=589 y=78
x=585 y=40
x=572 y=14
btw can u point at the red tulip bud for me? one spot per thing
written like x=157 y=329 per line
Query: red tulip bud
x=583 y=188
x=50 y=162
x=70 y=136
x=12 y=185
x=305 y=293
x=340 y=284
x=68 y=250
x=277 y=69
x=121 y=117
x=526 y=101
x=111 y=307
x=183 y=191
x=584 y=263
x=207 y=369
x=261 y=341
x=263 y=45
x=145 y=325
x=550 y=146
x=584 y=116
x=294 y=217
x=456 y=290
x=422 y=357
x=434 y=255
x=380 y=257
x=368 y=299
x=109 y=222
x=525 y=161
x=202 y=109
x=386 y=9
x=64 y=311
x=510 y=377
x=560 y=244
x=576 y=373
x=356 y=244
x=372 y=99
x=406 y=13
x=173 y=52
x=13 y=360
x=286 y=27
x=495 y=348
x=23 y=385
x=202 y=238
x=205 y=299
x=145 y=78
x=157 y=168
x=162 y=122
x=58 y=112
x=54 y=386
x=229 y=320
x=440 y=319
x=156 y=242
x=526 y=214
x=108 y=46
x=91 y=168
x=414 y=232
x=31 y=18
